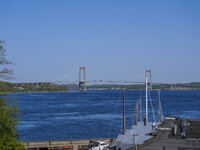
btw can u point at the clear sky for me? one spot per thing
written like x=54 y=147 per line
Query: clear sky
x=118 y=40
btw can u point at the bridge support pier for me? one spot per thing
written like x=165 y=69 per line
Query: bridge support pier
x=80 y=81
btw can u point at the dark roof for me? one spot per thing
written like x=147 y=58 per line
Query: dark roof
x=193 y=130
x=166 y=138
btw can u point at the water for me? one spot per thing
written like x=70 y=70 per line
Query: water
x=92 y=114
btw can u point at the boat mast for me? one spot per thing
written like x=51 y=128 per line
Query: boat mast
x=160 y=108
x=124 y=119
x=137 y=113
x=146 y=101
x=140 y=109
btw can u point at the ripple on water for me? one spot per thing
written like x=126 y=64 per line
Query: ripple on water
x=92 y=114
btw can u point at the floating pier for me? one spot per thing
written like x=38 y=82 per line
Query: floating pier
x=63 y=144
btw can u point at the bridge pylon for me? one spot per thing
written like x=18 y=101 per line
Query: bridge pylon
x=149 y=83
x=82 y=81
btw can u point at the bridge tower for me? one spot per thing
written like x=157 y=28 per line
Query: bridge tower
x=149 y=83
x=80 y=81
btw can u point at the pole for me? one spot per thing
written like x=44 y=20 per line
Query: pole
x=146 y=102
x=150 y=82
x=137 y=113
x=160 y=109
x=124 y=119
x=140 y=109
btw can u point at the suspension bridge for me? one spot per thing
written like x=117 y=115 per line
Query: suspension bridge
x=82 y=81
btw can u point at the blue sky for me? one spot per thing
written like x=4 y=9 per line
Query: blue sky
x=115 y=39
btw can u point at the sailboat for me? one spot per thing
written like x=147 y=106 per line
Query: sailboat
x=140 y=132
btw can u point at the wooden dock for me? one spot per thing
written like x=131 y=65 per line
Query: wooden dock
x=63 y=145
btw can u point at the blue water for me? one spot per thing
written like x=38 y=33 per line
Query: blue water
x=92 y=114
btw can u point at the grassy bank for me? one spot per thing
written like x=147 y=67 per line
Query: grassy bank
x=7 y=87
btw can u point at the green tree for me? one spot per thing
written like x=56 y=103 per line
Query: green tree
x=9 y=117
x=9 y=112
x=5 y=73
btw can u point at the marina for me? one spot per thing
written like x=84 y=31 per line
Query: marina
x=170 y=133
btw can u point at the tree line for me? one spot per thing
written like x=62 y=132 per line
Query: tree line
x=15 y=88
x=9 y=111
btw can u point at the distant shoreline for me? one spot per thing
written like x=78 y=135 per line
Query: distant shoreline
x=91 y=90
x=34 y=92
